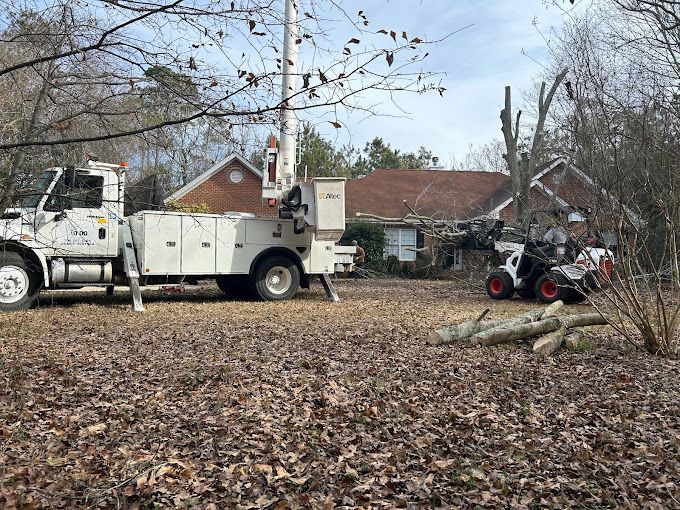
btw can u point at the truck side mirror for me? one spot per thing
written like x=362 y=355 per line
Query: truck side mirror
x=60 y=216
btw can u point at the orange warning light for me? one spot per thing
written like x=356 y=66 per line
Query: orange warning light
x=123 y=163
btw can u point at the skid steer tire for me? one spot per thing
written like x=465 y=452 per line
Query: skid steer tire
x=499 y=285
x=19 y=283
x=552 y=287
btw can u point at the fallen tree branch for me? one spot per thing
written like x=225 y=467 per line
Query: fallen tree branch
x=466 y=329
x=551 y=310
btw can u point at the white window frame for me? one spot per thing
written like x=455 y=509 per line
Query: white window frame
x=400 y=245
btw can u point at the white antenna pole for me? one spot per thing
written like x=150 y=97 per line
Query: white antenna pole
x=287 y=154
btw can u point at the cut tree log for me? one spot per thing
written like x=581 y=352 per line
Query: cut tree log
x=507 y=333
x=583 y=319
x=551 y=309
x=459 y=331
x=504 y=333
x=549 y=343
x=466 y=329
x=574 y=340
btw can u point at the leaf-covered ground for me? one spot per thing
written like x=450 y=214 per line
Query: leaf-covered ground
x=206 y=403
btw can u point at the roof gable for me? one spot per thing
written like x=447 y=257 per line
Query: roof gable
x=217 y=167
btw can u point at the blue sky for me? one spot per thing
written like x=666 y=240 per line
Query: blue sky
x=503 y=47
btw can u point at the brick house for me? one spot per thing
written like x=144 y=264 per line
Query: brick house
x=438 y=194
x=232 y=184
x=463 y=195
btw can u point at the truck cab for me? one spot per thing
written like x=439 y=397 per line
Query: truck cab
x=63 y=232
x=78 y=216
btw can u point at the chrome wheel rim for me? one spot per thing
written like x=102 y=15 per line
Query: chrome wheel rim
x=278 y=280
x=14 y=284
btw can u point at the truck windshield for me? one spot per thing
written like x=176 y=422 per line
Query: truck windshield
x=33 y=194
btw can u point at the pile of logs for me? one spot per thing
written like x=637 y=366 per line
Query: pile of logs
x=552 y=330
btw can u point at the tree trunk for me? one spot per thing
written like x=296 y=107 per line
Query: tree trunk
x=467 y=329
x=504 y=334
x=551 y=310
x=549 y=343
x=522 y=170
x=8 y=194
x=507 y=333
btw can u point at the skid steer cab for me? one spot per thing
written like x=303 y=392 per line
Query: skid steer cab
x=551 y=271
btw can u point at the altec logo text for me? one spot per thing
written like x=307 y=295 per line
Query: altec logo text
x=329 y=196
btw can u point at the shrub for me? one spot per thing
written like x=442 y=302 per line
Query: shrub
x=176 y=206
x=392 y=265
x=371 y=237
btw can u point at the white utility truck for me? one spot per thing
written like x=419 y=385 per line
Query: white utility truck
x=72 y=231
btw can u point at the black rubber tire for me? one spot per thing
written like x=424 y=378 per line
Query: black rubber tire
x=552 y=287
x=576 y=296
x=288 y=278
x=236 y=286
x=526 y=293
x=499 y=285
x=10 y=258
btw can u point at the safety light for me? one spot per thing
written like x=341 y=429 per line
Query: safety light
x=271 y=202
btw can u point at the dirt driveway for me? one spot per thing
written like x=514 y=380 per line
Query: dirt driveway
x=202 y=402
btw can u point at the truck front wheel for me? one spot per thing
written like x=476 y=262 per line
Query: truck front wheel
x=276 y=278
x=19 y=285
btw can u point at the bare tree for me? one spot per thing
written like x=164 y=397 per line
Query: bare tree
x=90 y=72
x=487 y=157
x=622 y=115
x=522 y=164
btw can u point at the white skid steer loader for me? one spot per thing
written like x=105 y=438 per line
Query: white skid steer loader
x=537 y=269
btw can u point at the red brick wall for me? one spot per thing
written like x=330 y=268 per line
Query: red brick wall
x=222 y=195
x=537 y=200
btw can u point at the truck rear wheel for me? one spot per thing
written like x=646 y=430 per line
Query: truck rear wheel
x=499 y=285
x=276 y=278
x=19 y=285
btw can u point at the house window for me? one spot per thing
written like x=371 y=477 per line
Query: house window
x=236 y=176
x=401 y=242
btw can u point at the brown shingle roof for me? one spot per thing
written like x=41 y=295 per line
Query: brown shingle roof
x=436 y=193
